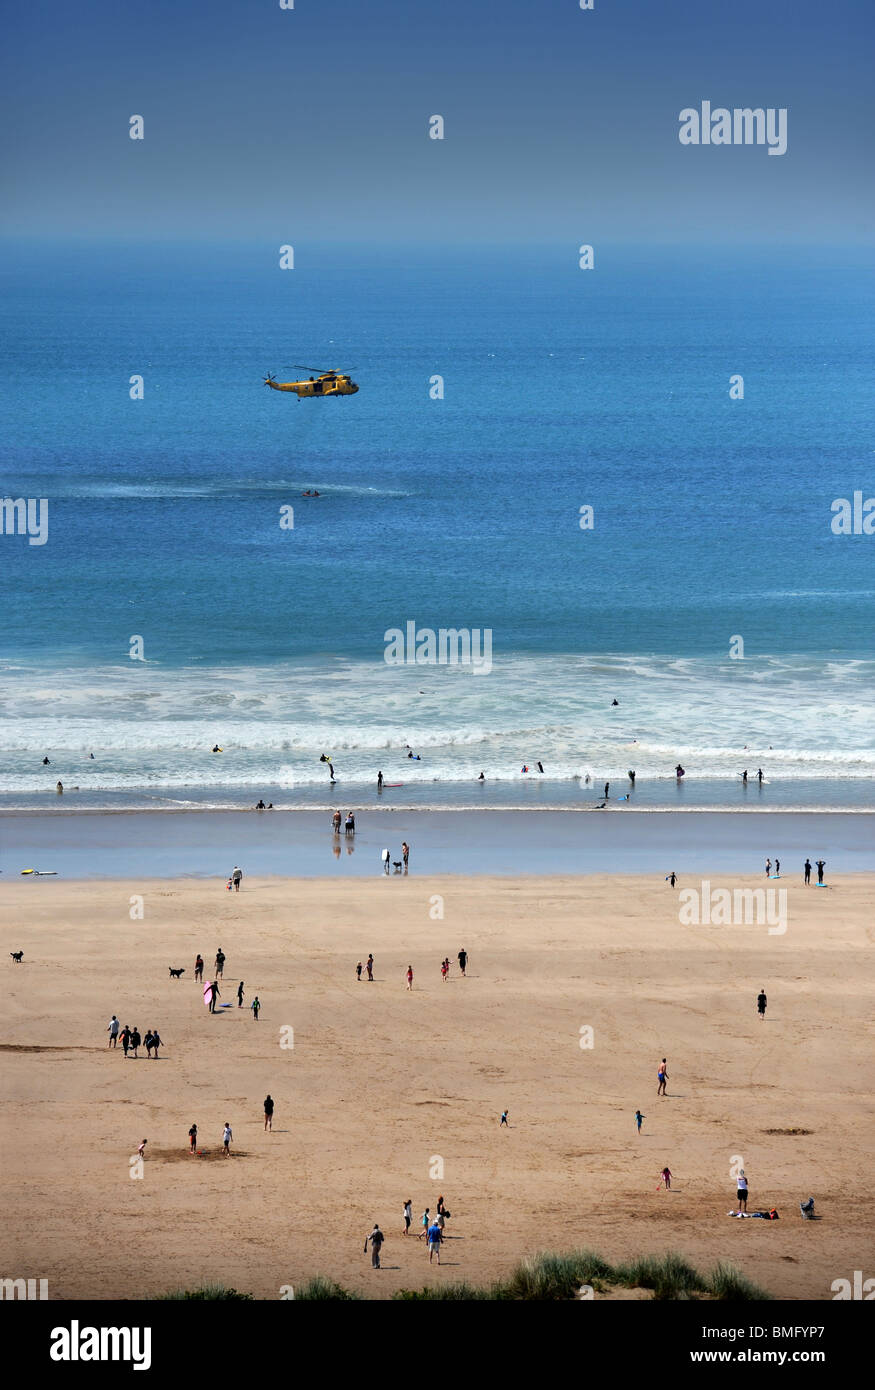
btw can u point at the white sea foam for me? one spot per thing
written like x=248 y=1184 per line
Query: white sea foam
x=151 y=726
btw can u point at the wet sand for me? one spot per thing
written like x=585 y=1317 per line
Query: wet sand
x=384 y=1087
x=300 y=844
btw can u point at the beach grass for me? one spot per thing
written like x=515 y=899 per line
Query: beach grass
x=327 y=1290
x=730 y=1285
x=207 y=1293
x=544 y=1278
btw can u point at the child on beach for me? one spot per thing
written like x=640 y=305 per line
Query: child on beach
x=638 y=1118
x=141 y=1149
x=358 y=971
x=503 y=1120
x=409 y=977
x=666 y=1177
x=445 y=970
x=255 y=1006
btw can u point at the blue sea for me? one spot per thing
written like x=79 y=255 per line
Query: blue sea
x=562 y=389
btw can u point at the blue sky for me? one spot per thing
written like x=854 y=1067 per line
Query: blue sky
x=311 y=125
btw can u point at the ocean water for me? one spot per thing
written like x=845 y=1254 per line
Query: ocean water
x=562 y=389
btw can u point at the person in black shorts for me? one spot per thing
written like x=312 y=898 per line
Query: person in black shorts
x=808 y=871
x=268 y=1112
x=761 y=1003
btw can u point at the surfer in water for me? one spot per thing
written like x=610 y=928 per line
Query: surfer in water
x=679 y=771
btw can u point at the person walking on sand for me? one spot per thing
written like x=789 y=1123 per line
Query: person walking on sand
x=638 y=1119
x=199 y=967
x=141 y=1148
x=672 y=878
x=236 y=877
x=425 y=1222
x=240 y=995
x=807 y=867
x=662 y=1077
x=369 y=966
x=463 y=961
x=376 y=1239
x=742 y=1191
x=445 y=971
x=820 y=867
x=135 y=1040
x=216 y=994
x=220 y=964
x=405 y=853
x=113 y=1031
x=126 y=1039
x=666 y=1178
x=227 y=1136
x=768 y=868
x=761 y=1003
x=358 y=972
x=410 y=977
x=268 y=1111
x=434 y=1242
x=503 y=1120
x=408 y=1215
x=255 y=1006
x=192 y=1139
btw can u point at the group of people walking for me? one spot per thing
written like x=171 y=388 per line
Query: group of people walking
x=131 y=1040
x=432 y=1230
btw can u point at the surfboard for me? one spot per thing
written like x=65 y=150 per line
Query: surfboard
x=208 y=992
x=41 y=873
x=393 y=784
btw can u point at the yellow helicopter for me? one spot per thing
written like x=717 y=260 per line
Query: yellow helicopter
x=325 y=384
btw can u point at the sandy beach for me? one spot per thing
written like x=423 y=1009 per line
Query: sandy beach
x=383 y=1087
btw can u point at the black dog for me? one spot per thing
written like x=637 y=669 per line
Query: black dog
x=17 y=956
x=175 y=974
